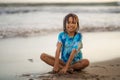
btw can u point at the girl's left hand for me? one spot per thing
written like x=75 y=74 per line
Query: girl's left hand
x=63 y=70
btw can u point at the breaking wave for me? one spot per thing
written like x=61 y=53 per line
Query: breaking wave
x=27 y=32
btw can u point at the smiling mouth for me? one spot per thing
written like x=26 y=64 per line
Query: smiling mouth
x=71 y=28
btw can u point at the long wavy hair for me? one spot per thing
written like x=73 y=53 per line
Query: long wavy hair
x=66 y=18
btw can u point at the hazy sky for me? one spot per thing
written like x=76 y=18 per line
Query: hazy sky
x=6 y=1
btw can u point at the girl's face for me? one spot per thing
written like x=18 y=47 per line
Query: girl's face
x=71 y=25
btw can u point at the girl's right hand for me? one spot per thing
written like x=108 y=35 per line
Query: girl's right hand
x=55 y=69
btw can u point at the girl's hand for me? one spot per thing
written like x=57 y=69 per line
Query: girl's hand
x=55 y=69
x=63 y=70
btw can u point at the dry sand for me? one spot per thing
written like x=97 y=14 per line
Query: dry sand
x=107 y=70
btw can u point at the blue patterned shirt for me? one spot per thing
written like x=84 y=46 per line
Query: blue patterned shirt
x=68 y=44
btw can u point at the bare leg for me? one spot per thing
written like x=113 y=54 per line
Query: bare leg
x=51 y=60
x=80 y=64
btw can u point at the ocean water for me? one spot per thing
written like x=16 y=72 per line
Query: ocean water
x=25 y=20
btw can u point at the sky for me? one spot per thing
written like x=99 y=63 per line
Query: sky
x=39 y=1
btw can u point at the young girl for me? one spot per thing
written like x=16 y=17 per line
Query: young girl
x=69 y=45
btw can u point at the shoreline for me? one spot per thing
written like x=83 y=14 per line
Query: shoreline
x=31 y=32
x=105 y=70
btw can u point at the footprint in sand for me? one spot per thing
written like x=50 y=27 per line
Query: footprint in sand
x=98 y=66
x=30 y=60
x=115 y=65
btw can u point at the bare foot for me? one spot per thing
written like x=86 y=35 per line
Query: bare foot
x=70 y=71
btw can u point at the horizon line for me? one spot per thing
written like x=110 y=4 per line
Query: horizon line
x=61 y=3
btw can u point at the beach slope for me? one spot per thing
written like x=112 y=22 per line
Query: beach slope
x=106 y=70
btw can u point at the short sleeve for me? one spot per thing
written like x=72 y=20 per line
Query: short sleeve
x=61 y=37
x=77 y=41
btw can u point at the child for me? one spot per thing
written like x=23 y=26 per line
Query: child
x=69 y=45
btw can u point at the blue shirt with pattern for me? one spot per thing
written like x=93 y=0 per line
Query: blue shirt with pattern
x=68 y=44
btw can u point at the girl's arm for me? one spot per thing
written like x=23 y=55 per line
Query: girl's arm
x=56 y=64
x=69 y=61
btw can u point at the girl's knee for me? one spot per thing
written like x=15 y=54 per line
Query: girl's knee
x=85 y=62
x=42 y=56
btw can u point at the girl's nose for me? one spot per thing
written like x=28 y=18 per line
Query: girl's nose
x=71 y=24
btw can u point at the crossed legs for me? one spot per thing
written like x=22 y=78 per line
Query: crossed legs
x=51 y=60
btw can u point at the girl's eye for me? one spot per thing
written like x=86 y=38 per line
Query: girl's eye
x=74 y=22
x=69 y=22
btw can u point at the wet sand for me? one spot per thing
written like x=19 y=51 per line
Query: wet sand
x=19 y=57
x=102 y=49
x=106 y=70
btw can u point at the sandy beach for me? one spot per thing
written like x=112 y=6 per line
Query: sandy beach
x=106 y=70
x=27 y=30
x=19 y=57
